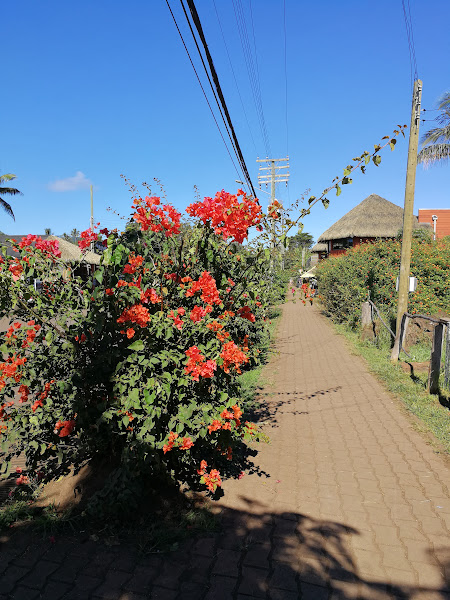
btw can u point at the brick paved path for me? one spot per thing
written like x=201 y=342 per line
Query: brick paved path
x=354 y=504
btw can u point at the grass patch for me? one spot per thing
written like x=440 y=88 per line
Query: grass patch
x=428 y=408
x=165 y=519
x=252 y=382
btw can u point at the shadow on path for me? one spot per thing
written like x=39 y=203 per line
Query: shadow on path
x=257 y=554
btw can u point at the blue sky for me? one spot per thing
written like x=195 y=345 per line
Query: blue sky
x=97 y=89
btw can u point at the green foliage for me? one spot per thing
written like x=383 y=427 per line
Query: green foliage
x=345 y=281
x=103 y=381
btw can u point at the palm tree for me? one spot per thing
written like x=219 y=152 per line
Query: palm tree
x=7 y=177
x=436 y=142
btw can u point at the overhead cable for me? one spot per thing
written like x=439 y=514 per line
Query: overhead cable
x=196 y=21
x=234 y=75
x=410 y=36
x=201 y=86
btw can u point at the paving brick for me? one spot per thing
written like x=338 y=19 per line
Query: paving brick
x=313 y=592
x=24 y=593
x=254 y=582
x=204 y=546
x=110 y=589
x=159 y=593
x=12 y=575
x=227 y=563
x=141 y=580
x=55 y=590
x=283 y=577
x=39 y=574
x=170 y=575
x=221 y=588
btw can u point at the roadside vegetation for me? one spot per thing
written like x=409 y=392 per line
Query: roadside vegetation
x=370 y=271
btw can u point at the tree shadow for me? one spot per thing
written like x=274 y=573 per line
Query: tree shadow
x=257 y=553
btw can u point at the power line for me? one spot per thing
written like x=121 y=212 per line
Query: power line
x=251 y=71
x=234 y=75
x=410 y=36
x=201 y=86
x=215 y=78
x=208 y=76
x=285 y=76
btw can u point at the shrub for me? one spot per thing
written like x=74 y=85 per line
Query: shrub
x=346 y=280
x=138 y=363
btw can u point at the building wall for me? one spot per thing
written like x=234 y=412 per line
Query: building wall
x=442 y=223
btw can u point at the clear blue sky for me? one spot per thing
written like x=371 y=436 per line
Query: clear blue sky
x=96 y=89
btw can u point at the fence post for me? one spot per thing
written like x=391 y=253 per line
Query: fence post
x=435 y=362
x=366 y=321
x=403 y=329
x=447 y=356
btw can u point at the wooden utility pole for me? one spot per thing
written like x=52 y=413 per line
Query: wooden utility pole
x=273 y=178
x=405 y=261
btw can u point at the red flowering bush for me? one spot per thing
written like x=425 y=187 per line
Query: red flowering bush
x=140 y=362
x=345 y=281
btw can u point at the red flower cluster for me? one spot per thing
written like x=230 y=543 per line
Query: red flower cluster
x=227 y=417
x=212 y=479
x=183 y=444
x=176 y=316
x=9 y=369
x=22 y=480
x=197 y=366
x=228 y=215
x=42 y=396
x=134 y=262
x=197 y=313
x=246 y=313
x=87 y=237
x=207 y=285
x=274 y=210
x=232 y=355
x=24 y=392
x=46 y=246
x=136 y=314
x=16 y=269
x=64 y=428
x=150 y=216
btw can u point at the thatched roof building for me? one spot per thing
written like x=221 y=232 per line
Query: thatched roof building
x=69 y=252
x=72 y=253
x=374 y=217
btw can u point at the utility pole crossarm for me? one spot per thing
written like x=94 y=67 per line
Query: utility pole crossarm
x=268 y=168
x=258 y=160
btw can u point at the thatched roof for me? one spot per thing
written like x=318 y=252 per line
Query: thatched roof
x=320 y=247
x=374 y=217
x=69 y=252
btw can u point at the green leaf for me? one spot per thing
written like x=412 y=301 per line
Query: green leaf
x=137 y=345
x=367 y=159
x=325 y=202
x=376 y=160
x=49 y=337
x=311 y=199
x=98 y=275
x=338 y=190
x=392 y=143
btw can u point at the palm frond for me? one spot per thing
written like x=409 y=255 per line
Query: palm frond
x=444 y=101
x=433 y=154
x=436 y=135
x=7 y=208
x=11 y=191
x=6 y=177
